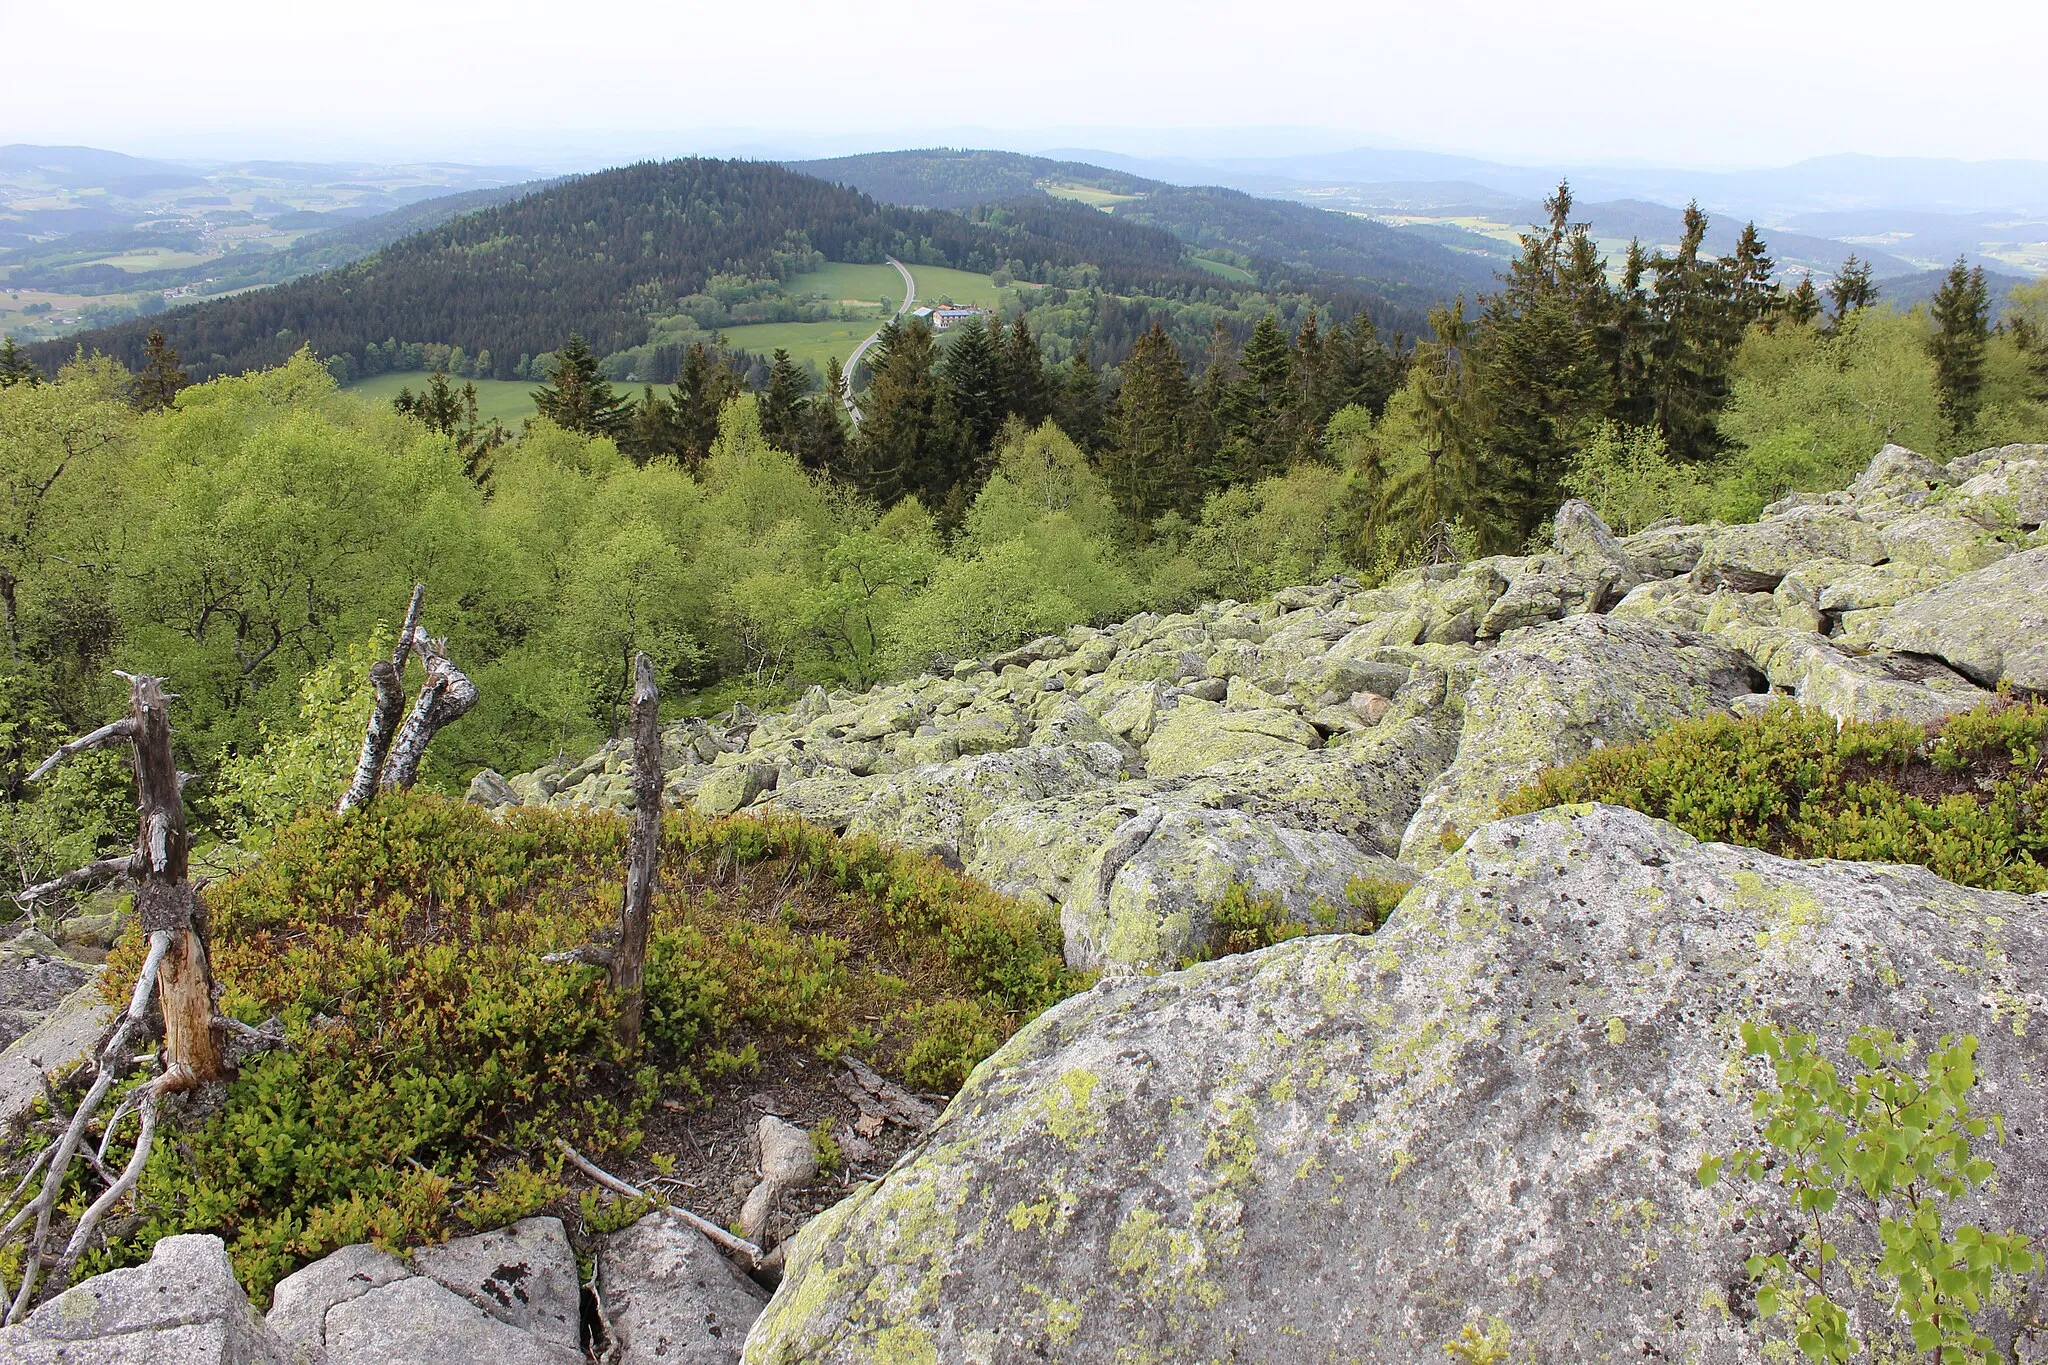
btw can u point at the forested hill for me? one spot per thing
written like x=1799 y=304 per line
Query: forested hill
x=1406 y=268
x=603 y=254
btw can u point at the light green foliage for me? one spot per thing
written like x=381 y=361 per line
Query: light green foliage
x=1629 y=478
x=1808 y=407
x=1905 y=1144
x=1967 y=801
x=1256 y=538
x=1036 y=556
x=306 y=767
x=1476 y=1346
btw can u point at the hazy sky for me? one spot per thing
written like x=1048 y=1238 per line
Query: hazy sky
x=1740 y=82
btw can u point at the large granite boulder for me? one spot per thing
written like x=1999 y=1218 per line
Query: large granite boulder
x=1991 y=625
x=671 y=1297
x=183 y=1308
x=1492 y=1111
x=1557 y=692
x=1146 y=898
x=510 y=1297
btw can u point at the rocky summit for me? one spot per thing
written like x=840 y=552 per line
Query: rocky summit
x=1351 y=1148
x=1332 y=733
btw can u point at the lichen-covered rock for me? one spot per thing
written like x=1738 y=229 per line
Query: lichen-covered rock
x=671 y=1297
x=523 y=1275
x=183 y=1308
x=1197 y=734
x=2010 y=479
x=1754 y=557
x=1556 y=693
x=1145 y=900
x=935 y=810
x=734 y=786
x=1991 y=625
x=1347 y=1148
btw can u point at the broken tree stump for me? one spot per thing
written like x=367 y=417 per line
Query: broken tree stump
x=643 y=855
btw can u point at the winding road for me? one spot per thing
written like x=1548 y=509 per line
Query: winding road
x=846 y=375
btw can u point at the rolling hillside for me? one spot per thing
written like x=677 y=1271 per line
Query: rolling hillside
x=619 y=254
x=1304 y=243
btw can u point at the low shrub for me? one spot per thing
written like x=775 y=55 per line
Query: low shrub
x=431 y=1057
x=1245 y=922
x=1968 y=798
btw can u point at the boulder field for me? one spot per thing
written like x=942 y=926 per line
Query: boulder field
x=1490 y=1113
x=1126 y=776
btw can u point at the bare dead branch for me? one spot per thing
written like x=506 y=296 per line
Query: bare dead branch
x=110 y=733
x=710 y=1229
x=123 y=866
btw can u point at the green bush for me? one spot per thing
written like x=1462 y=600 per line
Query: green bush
x=432 y=1057
x=1968 y=799
x=1245 y=922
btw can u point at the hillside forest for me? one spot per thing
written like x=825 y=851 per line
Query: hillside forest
x=254 y=537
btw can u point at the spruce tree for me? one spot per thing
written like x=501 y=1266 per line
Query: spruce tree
x=577 y=396
x=1026 y=394
x=1802 y=305
x=703 y=387
x=1692 y=344
x=1146 y=462
x=821 y=439
x=1962 y=326
x=1756 y=294
x=973 y=380
x=782 y=402
x=16 y=367
x=1077 y=402
x=651 y=431
x=1258 y=407
x=903 y=446
x=156 y=387
x=1541 y=378
x=1851 y=289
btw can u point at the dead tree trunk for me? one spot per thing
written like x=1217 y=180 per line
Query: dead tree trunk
x=445 y=696
x=174 y=970
x=643 y=851
x=387 y=677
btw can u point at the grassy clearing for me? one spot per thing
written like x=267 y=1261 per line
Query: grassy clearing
x=937 y=284
x=1086 y=194
x=508 y=400
x=431 y=1057
x=1223 y=268
x=840 y=282
x=817 y=342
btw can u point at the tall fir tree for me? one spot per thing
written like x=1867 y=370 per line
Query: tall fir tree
x=704 y=384
x=971 y=373
x=782 y=402
x=1026 y=393
x=1693 y=340
x=1145 y=461
x=1962 y=328
x=1852 y=288
x=16 y=367
x=651 y=431
x=1256 y=423
x=1757 y=297
x=1542 y=381
x=577 y=396
x=157 y=385
x=903 y=445
x=1803 y=304
x=821 y=433
x=1077 y=401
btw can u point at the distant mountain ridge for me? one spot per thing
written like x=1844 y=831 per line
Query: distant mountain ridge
x=1407 y=268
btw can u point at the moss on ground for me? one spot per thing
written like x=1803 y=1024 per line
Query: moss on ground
x=432 y=1057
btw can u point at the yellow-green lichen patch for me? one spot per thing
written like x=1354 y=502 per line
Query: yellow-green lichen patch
x=1066 y=1107
x=1168 y=1263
